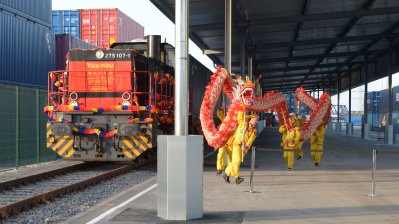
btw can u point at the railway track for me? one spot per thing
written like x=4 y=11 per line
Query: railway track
x=24 y=193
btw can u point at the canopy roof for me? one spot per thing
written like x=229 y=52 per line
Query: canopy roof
x=298 y=42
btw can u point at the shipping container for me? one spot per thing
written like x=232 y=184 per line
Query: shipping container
x=103 y=27
x=384 y=101
x=27 y=51
x=64 y=43
x=66 y=21
x=373 y=101
x=38 y=11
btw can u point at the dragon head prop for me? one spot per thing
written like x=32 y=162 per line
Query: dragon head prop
x=244 y=91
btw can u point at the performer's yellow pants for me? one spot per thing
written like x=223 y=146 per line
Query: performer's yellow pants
x=220 y=162
x=317 y=155
x=233 y=169
x=289 y=157
x=299 y=151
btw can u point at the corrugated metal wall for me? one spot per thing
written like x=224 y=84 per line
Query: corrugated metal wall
x=23 y=132
x=38 y=9
x=27 y=51
x=66 y=21
x=65 y=42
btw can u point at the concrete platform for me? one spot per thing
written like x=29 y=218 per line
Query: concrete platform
x=334 y=192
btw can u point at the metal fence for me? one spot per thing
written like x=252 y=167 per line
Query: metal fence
x=23 y=127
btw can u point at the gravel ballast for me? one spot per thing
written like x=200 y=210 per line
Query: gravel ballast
x=72 y=204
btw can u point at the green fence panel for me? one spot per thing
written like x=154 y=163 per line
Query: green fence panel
x=7 y=124
x=27 y=126
x=23 y=127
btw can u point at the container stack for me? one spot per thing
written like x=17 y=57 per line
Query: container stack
x=26 y=56
x=98 y=27
x=373 y=107
x=66 y=22
x=64 y=43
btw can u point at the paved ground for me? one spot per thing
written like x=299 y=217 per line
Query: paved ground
x=334 y=192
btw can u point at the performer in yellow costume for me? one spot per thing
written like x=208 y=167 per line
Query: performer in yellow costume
x=283 y=132
x=243 y=138
x=316 y=144
x=220 y=162
x=293 y=136
x=298 y=148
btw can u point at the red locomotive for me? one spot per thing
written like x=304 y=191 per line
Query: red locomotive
x=110 y=104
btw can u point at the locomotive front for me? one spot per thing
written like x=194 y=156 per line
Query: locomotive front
x=103 y=107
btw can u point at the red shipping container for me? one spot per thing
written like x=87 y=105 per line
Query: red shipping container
x=103 y=27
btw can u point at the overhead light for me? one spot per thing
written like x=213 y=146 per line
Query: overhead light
x=212 y=51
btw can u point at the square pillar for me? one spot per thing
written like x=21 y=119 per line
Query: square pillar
x=388 y=135
x=179 y=174
x=349 y=129
x=365 y=133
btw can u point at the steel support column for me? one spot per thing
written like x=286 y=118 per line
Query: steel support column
x=389 y=133
x=349 y=124
x=338 y=109
x=366 y=80
x=181 y=70
x=390 y=97
x=350 y=95
x=250 y=66
x=365 y=130
x=227 y=35
x=242 y=54
x=179 y=158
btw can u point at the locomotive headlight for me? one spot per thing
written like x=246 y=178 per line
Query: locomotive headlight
x=73 y=96
x=126 y=96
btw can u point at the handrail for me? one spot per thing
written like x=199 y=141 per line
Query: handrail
x=63 y=76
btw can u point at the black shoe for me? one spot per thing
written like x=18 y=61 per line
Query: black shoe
x=239 y=180
x=299 y=157
x=226 y=179
x=289 y=168
x=219 y=172
x=316 y=164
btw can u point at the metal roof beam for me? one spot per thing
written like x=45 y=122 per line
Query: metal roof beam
x=297 y=28
x=267 y=81
x=284 y=69
x=348 y=27
x=316 y=41
x=316 y=56
x=301 y=18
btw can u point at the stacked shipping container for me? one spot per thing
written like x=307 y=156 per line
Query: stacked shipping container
x=26 y=56
x=99 y=27
x=26 y=42
x=64 y=43
x=103 y=27
x=66 y=21
x=373 y=107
